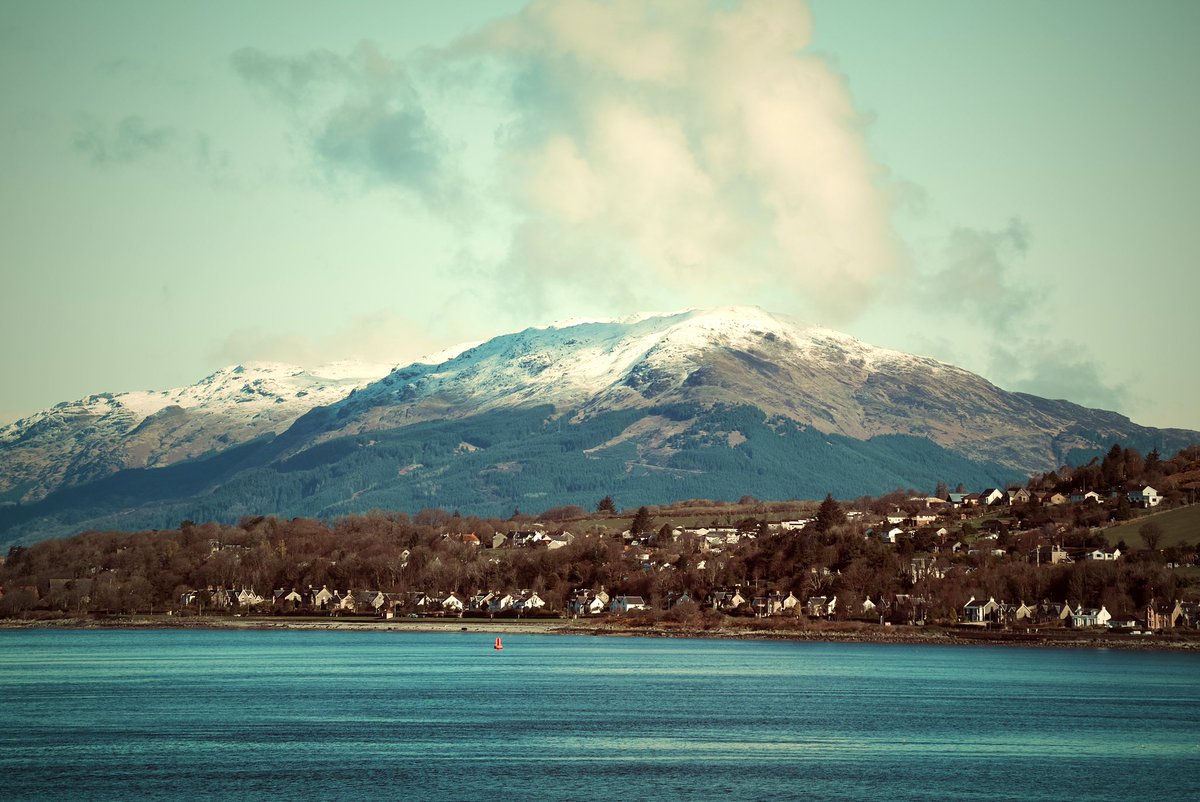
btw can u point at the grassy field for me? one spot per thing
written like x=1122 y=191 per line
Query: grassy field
x=1180 y=525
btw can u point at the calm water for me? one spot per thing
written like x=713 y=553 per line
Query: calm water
x=344 y=716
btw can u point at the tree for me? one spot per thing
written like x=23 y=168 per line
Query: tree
x=606 y=504
x=829 y=515
x=1151 y=533
x=1123 y=512
x=642 y=525
x=1153 y=462
x=942 y=491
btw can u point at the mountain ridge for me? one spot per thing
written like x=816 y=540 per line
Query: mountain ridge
x=722 y=402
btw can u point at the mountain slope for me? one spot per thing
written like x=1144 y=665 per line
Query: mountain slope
x=810 y=375
x=80 y=441
x=716 y=403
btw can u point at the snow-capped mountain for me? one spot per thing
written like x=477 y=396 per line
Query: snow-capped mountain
x=78 y=441
x=697 y=404
x=814 y=376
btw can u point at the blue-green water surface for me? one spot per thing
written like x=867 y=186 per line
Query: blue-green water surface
x=170 y=714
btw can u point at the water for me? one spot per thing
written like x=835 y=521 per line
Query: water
x=110 y=714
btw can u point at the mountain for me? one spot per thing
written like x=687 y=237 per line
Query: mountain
x=76 y=442
x=712 y=403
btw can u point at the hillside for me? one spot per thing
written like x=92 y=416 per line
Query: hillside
x=710 y=403
x=1180 y=526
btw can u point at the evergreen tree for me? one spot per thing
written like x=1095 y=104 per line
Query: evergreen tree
x=642 y=525
x=829 y=515
x=606 y=504
x=942 y=491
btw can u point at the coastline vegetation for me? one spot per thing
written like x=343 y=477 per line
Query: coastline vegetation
x=675 y=557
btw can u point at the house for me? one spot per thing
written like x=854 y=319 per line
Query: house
x=820 y=606
x=287 y=599
x=1018 y=496
x=991 y=496
x=368 y=600
x=1163 y=616
x=1084 y=498
x=587 y=602
x=321 y=599
x=727 y=600
x=1053 y=611
x=479 y=602
x=868 y=607
x=528 y=602
x=905 y=609
x=1090 y=617
x=1054 y=499
x=560 y=540
x=890 y=535
x=222 y=598
x=1099 y=555
x=675 y=599
x=451 y=604
x=980 y=612
x=248 y=598
x=501 y=602
x=781 y=605
x=1024 y=612
x=956 y=499
x=625 y=604
x=1145 y=497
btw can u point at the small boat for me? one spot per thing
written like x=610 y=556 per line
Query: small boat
x=498 y=645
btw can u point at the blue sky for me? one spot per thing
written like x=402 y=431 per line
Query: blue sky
x=1007 y=186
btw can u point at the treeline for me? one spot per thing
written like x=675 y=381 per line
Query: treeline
x=393 y=552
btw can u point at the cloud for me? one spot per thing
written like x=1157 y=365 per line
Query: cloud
x=643 y=154
x=360 y=115
x=681 y=149
x=130 y=140
x=383 y=336
x=977 y=278
x=1062 y=370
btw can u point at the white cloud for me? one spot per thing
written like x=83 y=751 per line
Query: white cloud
x=685 y=151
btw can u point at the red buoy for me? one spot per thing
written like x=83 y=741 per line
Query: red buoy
x=498 y=645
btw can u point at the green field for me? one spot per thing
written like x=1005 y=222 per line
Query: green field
x=1180 y=525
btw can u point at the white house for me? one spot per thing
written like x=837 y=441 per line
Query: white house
x=1100 y=555
x=1090 y=617
x=323 y=599
x=624 y=604
x=991 y=496
x=978 y=612
x=1145 y=497
x=452 y=604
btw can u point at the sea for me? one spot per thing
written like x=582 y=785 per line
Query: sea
x=352 y=715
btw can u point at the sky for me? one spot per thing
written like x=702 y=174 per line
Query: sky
x=1010 y=187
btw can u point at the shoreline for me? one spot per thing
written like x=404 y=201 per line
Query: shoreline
x=845 y=633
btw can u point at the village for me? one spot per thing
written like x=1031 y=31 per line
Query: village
x=945 y=548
